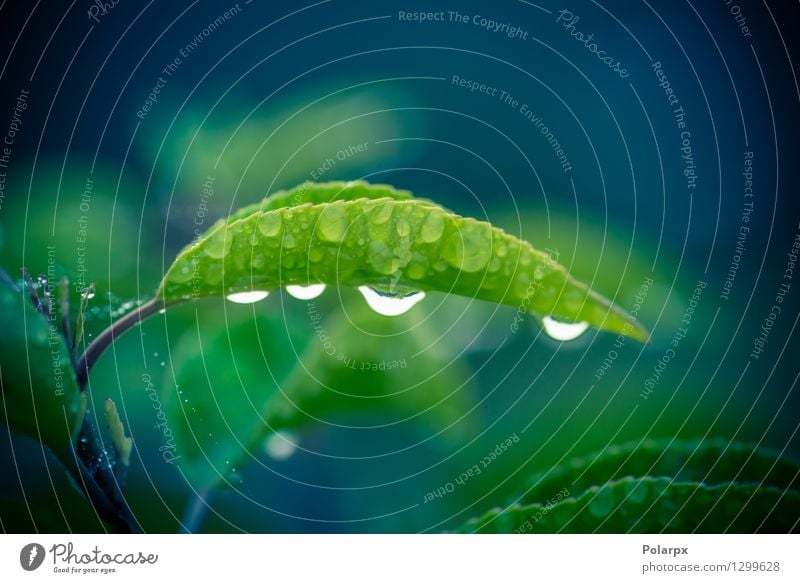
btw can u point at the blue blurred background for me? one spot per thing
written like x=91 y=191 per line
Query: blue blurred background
x=266 y=95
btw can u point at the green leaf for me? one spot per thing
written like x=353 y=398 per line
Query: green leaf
x=225 y=371
x=359 y=361
x=385 y=242
x=652 y=505
x=39 y=393
x=711 y=461
x=317 y=193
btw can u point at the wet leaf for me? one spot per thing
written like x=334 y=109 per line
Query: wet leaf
x=317 y=193
x=385 y=243
x=226 y=370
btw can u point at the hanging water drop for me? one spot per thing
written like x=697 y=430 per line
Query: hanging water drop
x=280 y=445
x=305 y=292
x=390 y=304
x=247 y=297
x=563 y=331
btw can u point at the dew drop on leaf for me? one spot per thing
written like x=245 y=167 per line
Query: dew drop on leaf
x=381 y=214
x=305 y=292
x=247 y=297
x=332 y=224
x=390 y=304
x=382 y=258
x=219 y=245
x=469 y=248
x=602 y=503
x=269 y=224
x=432 y=229
x=289 y=241
x=563 y=331
x=403 y=228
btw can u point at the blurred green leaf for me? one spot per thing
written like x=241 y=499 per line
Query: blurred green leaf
x=712 y=461
x=82 y=221
x=293 y=137
x=652 y=505
x=226 y=371
x=245 y=378
x=40 y=396
x=658 y=486
x=360 y=361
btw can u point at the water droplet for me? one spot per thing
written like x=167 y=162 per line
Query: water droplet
x=280 y=445
x=403 y=228
x=469 y=248
x=219 y=245
x=602 y=502
x=289 y=241
x=418 y=267
x=247 y=297
x=269 y=224
x=332 y=223
x=563 y=331
x=89 y=293
x=258 y=262
x=162 y=311
x=390 y=304
x=382 y=214
x=432 y=229
x=305 y=292
x=382 y=258
x=181 y=274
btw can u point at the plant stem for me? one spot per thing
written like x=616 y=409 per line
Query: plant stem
x=107 y=336
x=97 y=475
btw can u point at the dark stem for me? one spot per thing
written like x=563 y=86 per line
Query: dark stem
x=100 y=478
x=107 y=336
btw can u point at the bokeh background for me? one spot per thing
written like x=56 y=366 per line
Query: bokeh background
x=277 y=93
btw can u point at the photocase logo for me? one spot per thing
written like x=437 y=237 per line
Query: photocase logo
x=31 y=556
